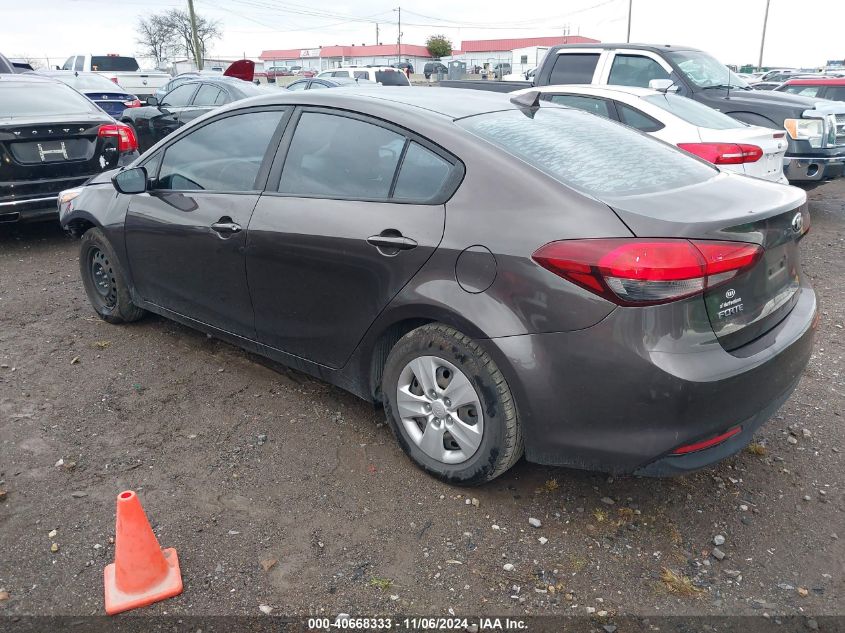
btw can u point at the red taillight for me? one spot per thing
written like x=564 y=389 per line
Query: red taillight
x=114 y=79
x=133 y=104
x=708 y=443
x=126 y=140
x=724 y=153
x=646 y=271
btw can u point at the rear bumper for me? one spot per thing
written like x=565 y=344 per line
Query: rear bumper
x=813 y=169
x=31 y=210
x=622 y=395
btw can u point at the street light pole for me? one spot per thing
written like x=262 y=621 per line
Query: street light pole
x=763 y=37
x=630 y=6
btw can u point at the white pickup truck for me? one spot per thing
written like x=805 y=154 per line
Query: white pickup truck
x=124 y=71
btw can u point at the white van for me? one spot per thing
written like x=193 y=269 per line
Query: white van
x=385 y=75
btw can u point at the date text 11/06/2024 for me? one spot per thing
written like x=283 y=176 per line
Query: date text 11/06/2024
x=417 y=624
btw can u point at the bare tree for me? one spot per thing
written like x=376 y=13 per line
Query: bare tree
x=157 y=37
x=207 y=31
x=35 y=62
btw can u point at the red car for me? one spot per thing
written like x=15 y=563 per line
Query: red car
x=822 y=87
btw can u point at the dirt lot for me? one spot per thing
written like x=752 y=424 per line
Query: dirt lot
x=239 y=462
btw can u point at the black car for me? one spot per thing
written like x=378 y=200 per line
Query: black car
x=52 y=138
x=105 y=93
x=328 y=82
x=185 y=103
x=432 y=68
x=403 y=66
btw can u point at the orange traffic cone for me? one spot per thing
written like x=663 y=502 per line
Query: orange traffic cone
x=142 y=573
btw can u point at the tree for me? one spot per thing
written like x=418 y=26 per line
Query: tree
x=439 y=46
x=157 y=38
x=207 y=32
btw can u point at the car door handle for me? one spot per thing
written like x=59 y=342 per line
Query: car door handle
x=392 y=241
x=226 y=227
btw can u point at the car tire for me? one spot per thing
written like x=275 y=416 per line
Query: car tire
x=104 y=280
x=439 y=356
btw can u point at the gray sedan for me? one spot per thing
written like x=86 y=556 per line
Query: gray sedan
x=505 y=278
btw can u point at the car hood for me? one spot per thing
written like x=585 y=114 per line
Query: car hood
x=102 y=178
x=770 y=97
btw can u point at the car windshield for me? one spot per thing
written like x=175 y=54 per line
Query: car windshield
x=588 y=153
x=40 y=99
x=694 y=112
x=113 y=63
x=705 y=71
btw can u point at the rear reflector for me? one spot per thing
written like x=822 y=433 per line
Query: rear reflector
x=646 y=271
x=713 y=441
x=126 y=140
x=724 y=153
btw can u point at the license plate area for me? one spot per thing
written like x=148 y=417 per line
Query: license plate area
x=50 y=151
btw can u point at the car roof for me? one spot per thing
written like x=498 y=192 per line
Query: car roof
x=635 y=91
x=638 y=47
x=447 y=102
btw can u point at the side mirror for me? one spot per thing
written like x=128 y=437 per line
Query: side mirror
x=152 y=100
x=663 y=85
x=130 y=181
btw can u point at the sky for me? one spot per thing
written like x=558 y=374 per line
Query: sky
x=729 y=29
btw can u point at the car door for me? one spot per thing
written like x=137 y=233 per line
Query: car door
x=207 y=98
x=637 y=68
x=160 y=120
x=185 y=237
x=341 y=229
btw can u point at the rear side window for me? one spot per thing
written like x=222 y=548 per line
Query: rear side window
x=588 y=104
x=338 y=157
x=635 y=70
x=637 y=119
x=113 y=63
x=392 y=78
x=574 y=68
x=79 y=63
x=694 y=112
x=207 y=95
x=68 y=65
x=589 y=153
x=423 y=174
x=35 y=99
x=224 y=155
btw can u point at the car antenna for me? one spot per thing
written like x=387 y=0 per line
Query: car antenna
x=528 y=102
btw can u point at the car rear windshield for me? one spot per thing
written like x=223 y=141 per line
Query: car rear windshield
x=41 y=99
x=392 y=78
x=589 y=153
x=694 y=112
x=113 y=63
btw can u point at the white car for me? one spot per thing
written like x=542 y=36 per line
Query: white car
x=692 y=126
x=384 y=75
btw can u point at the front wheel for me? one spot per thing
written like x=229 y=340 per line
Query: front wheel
x=450 y=407
x=104 y=281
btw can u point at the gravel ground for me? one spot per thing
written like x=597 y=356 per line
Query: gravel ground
x=279 y=490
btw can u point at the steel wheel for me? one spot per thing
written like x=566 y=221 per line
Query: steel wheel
x=439 y=409
x=102 y=277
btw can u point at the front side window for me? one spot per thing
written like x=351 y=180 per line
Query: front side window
x=422 y=176
x=835 y=93
x=588 y=104
x=635 y=70
x=224 y=155
x=298 y=85
x=179 y=97
x=694 y=112
x=637 y=119
x=339 y=157
x=589 y=153
x=574 y=68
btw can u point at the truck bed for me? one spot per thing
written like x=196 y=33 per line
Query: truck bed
x=480 y=84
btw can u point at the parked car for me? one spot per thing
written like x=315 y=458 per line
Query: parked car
x=433 y=68
x=273 y=71
x=626 y=318
x=384 y=75
x=692 y=126
x=6 y=66
x=815 y=153
x=185 y=103
x=823 y=87
x=124 y=71
x=764 y=85
x=106 y=94
x=779 y=74
x=326 y=82
x=404 y=66
x=52 y=138
x=305 y=72
x=178 y=80
x=500 y=70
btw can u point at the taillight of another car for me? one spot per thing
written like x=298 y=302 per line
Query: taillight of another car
x=640 y=272
x=125 y=135
x=134 y=103
x=724 y=153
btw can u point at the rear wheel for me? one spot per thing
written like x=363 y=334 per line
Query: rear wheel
x=104 y=281
x=450 y=407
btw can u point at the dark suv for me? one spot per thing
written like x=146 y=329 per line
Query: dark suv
x=432 y=68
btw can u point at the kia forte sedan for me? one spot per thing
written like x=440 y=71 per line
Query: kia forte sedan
x=505 y=277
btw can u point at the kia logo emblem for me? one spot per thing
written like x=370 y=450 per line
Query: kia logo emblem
x=798 y=222
x=730 y=294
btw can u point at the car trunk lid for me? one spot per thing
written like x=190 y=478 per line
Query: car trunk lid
x=733 y=208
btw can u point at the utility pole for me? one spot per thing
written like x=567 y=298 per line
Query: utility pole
x=630 y=6
x=399 y=40
x=376 y=33
x=763 y=37
x=198 y=53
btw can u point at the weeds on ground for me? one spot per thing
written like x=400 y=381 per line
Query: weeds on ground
x=678 y=583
